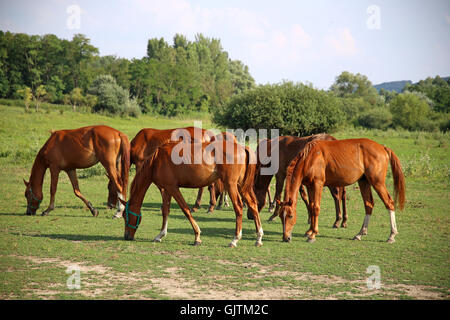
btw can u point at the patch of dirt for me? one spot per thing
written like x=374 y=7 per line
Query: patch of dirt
x=101 y=281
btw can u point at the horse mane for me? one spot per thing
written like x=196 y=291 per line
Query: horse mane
x=299 y=157
x=145 y=172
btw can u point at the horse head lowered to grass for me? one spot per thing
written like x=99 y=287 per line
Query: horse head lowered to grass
x=194 y=165
x=68 y=150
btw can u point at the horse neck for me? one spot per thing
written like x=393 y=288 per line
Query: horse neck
x=37 y=174
x=293 y=183
x=139 y=187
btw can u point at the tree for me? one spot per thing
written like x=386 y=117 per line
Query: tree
x=112 y=98
x=76 y=97
x=27 y=96
x=354 y=85
x=410 y=112
x=296 y=109
x=39 y=94
x=240 y=77
x=436 y=89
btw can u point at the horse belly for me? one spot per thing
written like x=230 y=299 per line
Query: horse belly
x=342 y=178
x=196 y=176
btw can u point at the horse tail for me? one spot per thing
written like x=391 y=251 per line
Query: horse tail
x=125 y=162
x=399 y=179
x=250 y=171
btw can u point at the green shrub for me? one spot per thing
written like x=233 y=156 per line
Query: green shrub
x=377 y=118
x=410 y=112
x=112 y=98
x=296 y=109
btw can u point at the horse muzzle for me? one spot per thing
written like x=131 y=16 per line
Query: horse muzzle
x=127 y=236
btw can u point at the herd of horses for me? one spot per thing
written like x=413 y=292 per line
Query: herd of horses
x=226 y=167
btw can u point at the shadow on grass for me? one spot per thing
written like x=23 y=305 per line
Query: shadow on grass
x=74 y=237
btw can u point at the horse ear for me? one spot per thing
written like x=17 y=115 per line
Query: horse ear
x=25 y=182
x=278 y=202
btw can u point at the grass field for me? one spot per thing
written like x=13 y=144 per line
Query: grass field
x=36 y=251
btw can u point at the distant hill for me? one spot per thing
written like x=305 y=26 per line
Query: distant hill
x=396 y=85
x=392 y=85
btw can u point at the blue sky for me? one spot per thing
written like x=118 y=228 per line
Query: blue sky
x=306 y=41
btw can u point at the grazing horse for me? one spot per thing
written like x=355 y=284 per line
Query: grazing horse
x=230 y=162
x=148 y=140
x=341 y=163
x=68 y=150
x=289 y=147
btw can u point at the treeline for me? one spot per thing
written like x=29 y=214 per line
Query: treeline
x=299 y=109
x=182 y=77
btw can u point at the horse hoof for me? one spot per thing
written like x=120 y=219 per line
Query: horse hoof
x=232 y=245
x=258 y=244
x=344 y=225
x=157 y=240
x=335 y=226
x=311 y=240
x=45 y=213
x=194 y=209
x=357 y=238
x=390 y=240
x=197 y=243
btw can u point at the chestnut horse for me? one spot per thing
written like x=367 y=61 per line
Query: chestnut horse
x=148 y=140
x=224 y=160
x=288 y=148
x=341 y=163
x=68 y=150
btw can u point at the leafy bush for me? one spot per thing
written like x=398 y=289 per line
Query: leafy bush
x=410 y=112
x=112 y=98
x=377 y=118
x=296 y=109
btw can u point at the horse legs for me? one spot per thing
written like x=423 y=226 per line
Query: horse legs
x=114 y=178
x=336 y=193
x=175 y=192
x=54 y=173
x=238 y=206
x=304 y=196
x=380 y=188
x=343 y=197
x=198 y=200
x=165 y=214
x=212 y=197
x=278 y=190
x=315 y=195
x=271 y=203
x=76 y=189
x=250 y=199
x=366 y=194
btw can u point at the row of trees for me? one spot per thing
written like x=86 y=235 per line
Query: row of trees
x=198 y=76
x=298 y=109
x=171 y=79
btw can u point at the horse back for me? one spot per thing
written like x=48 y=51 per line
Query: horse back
x=343 y=162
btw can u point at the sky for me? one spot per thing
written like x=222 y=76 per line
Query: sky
x=300 y=41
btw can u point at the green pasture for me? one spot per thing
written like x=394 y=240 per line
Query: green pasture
x=36 y=251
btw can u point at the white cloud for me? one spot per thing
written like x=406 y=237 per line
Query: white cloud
x=342 y=42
